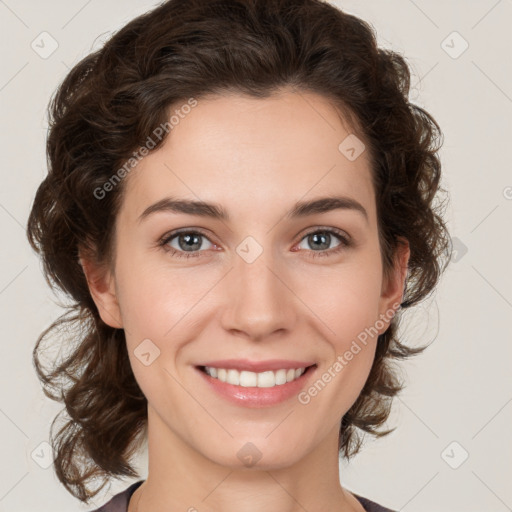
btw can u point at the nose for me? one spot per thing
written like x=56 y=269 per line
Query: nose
x=259 y=302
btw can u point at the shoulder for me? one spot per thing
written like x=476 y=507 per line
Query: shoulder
x=119 y=502
x=371 y=506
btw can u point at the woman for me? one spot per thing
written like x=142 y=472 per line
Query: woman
x=240 y=197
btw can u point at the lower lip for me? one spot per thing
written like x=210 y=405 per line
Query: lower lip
x=258 y=397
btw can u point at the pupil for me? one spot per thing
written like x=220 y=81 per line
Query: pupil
x=189 y=238
x=324 y=237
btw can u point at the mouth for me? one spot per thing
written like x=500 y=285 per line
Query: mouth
x=255 y=389
x=264 y=379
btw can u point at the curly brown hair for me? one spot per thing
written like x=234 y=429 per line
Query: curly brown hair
x=105 y=109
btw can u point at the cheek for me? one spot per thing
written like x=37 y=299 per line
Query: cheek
x=160 y=308
x=156 y=309
x=347 y=299
x=347 y=304
x=153 y=297
x=347 y=313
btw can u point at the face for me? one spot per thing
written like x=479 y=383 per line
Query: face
x=266 y=282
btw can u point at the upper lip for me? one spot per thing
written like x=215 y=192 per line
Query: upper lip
x=258 y=366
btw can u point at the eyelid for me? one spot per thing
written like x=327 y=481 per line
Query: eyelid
x=167 y=237
x=344 y=238
x=329 y=229
x=171 y=234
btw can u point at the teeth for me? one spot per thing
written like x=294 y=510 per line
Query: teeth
x=246 y=379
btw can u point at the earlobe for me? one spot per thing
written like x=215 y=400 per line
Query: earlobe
x=102 y=288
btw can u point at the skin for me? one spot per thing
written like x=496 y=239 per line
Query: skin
x=256 y=158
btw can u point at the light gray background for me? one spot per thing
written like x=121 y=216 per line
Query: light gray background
x=459 y=391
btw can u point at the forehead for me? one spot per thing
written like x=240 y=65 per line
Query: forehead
x=250 y=152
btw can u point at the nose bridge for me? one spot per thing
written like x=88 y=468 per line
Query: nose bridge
x=258 y=302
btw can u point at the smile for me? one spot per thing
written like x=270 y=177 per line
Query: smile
x=267 y=379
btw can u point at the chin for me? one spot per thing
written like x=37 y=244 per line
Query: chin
x=260 y=454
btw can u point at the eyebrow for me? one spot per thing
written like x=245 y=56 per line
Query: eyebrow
x=215 y=211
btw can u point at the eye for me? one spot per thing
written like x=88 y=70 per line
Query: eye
x=188 y=243
x=321 y=240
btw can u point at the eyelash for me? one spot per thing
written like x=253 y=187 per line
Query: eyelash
x=345 y=243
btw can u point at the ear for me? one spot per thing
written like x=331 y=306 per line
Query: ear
x=393 y=284
x=101 y=285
